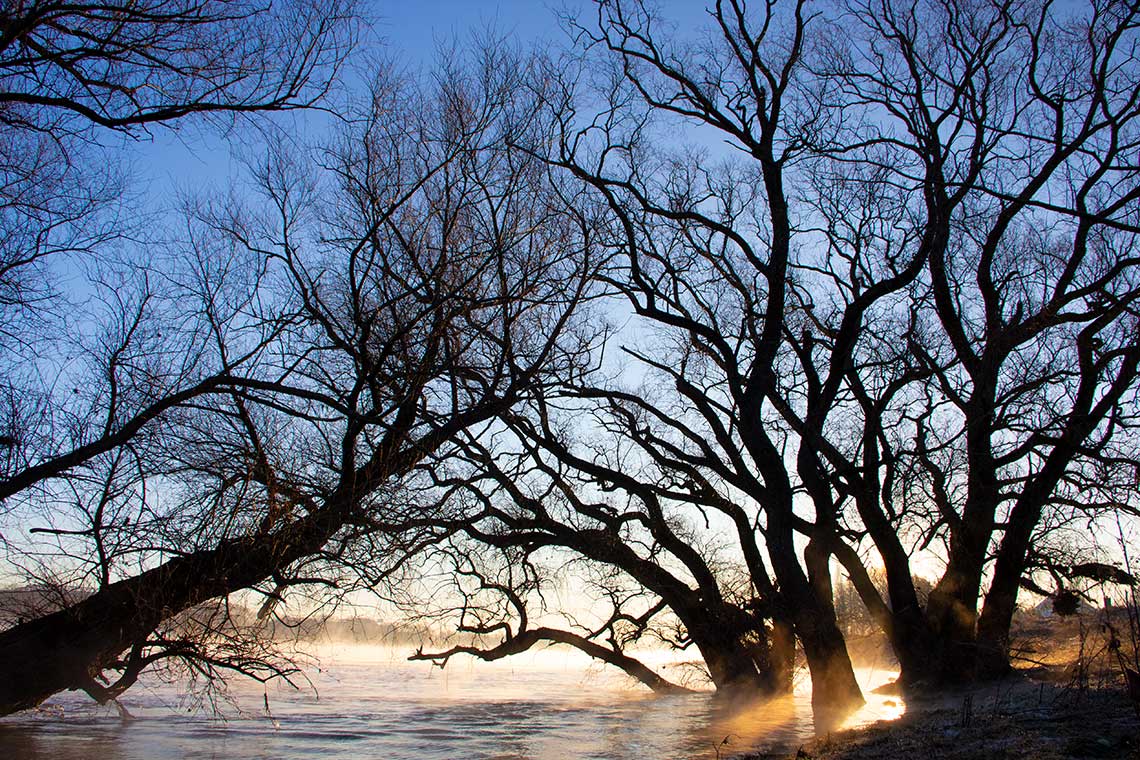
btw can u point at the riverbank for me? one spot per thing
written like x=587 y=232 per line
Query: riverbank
x=1017 y=718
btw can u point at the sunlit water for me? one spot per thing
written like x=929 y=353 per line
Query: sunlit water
x=366 y=702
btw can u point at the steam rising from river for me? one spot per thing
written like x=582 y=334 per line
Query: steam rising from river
x=367 y=701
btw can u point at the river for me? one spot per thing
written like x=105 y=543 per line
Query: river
x=367 y=702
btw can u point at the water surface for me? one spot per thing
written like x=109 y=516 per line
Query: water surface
x=367 y=702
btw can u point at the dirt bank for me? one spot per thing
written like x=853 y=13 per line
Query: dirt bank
x=1018 y=718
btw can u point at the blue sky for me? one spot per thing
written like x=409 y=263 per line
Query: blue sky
x=413 y=28
x=189 y=159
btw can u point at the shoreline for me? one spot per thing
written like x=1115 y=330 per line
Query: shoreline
x=1014 y=718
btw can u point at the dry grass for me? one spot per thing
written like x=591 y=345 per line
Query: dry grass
x=1102 y=726
x=1066 y=699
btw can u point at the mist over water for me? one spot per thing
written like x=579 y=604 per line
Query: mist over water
x=367 y=702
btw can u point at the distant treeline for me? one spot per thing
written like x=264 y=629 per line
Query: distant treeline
x=357 y=630
x=29 y=602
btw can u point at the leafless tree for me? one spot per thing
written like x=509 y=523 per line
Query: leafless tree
x=411 y=280
x=69 y=68
x=897 y=312
x=520 y=522
x=74 y=80
x=489 y=587
x=709 y=257
x=99 y=351
x=1015 y=137
x=902 y=304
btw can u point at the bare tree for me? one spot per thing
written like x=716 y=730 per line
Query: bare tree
x=67 y=68
x=74 y=79
x=414 y=279
x=520 y=521
x=491 y=587
x=896 y=312
x=98 y=350
x=904 y=302
x=1013 y=138
x=709 y=258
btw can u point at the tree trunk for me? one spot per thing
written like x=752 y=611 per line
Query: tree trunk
x=834 y=688
x=782 y=655
x=1001 y=599
x=951 y=619
x=952 y=610
x=525 y=640
x=737 y=650
x=68 y=649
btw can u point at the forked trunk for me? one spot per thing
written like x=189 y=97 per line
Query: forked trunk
x=740 y=653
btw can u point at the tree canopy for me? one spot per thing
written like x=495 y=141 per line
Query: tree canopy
x=690 y=321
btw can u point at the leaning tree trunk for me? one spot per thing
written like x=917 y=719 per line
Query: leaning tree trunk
x=1001 y=598
x=733 y=643
x=525 y=640
x=68 y=649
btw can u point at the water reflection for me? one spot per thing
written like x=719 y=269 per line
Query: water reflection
x=380 y=706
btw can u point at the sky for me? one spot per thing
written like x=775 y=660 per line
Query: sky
x=186 y=159
x=178 y=161
x=414 y=28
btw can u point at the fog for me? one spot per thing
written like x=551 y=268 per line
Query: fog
x=366 y=700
